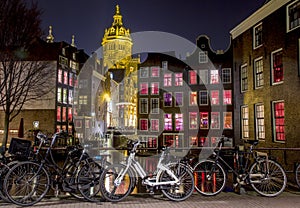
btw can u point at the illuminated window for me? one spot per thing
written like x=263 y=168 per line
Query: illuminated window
x=143 y=105
x=202 y=141
x=226 y=75
x=193 y=141
x=245 y=122
x=178 y=99
x=193 y=98
x=64 y=114
x=214 y=141
x=259 y=76
x=167 y=99
x=65 y=77
x=178 y=79
x=244 y=78
x=178 y=121
x=203 y=97
x=87 y=124
x=144 y=124
x=83 y=99
x=214 y=97
x=203 y=76
x=144 y=72
x=154 y=105
x=78 y=124
x=71 y=79
x=214 y=77
x=215 y=120
x=164 y=64
x=58 y=114
x=260 y=121
x=277 y=66
x=193 y=123
x=192 y=77
x=168 y=122
x=70 y=114
x=60 y=76
x=204 y=120
x=59 y=94
x=154 y=124
x=203 y=57
x=65 y=95
x=227 y=97
x=144 y=88
x=178 y=140
x=168 y=80
x=227 y=120
x=278 y=121
x=71 y=97
x=293 y=15
x=169 y=140
x=155 y=71
x=154 y=88
x=152 y=142
x=257 y=36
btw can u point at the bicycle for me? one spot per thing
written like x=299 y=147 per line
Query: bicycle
x=28 y=182
x=266 y=176
x=175 y=180
x=297 y=174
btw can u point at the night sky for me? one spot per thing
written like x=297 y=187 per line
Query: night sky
x=188 y=19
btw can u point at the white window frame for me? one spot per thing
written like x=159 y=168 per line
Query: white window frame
x=241 y=77
x=272 y=73
x=257 y=131
x=207 y=98
x=273 y=121
x=224 y=69
x=151 y=106
x=246 y=119
x=288 y=17
x=146 y=104
x=203 y=57
x=146 y=69
x=203 y=73
x=255 y=73
x=153 y=130
x=254 y=36
x=175 y=103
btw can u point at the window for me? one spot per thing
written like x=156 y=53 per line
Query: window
x=227 y=120
x=155 y=71
x=215 y=120
x=193 y=120
x=226 y=75
x=164 y=64
x=203 y=120
x=143 y=105
x=193 y=98
x=144 y=124
x=154 y=88
x=71 y=79
x=144 y=88
x=203 y=76
x=154 y=105
x=64 y=114
x=202 y=141
x=178 y=99
x=277 y=67
x=278 y=121
x=214 y=97
x=59 y=94
x=83 y=100
x=192 y=77
x=168 y=122
x=179 y=122
x=293 y=15
x=78 y=124
x=154 y=124
x=168 y=80
x=58 y=114
x=71 y=97
x=65 y=77
x=70 y=114
x=257 y=36
x=193 y=141
x=214 y=76
x=259 y=76
x=203 y=97
x=169 y=140
x=260 y=121
x=244 y=78
x=144 y=72
x=203 y=57
x=178 y=79
x=65 y=95
x=227 y=97
x=245 y=122
x=60 y=76
x=167 y=99
x=152 y=142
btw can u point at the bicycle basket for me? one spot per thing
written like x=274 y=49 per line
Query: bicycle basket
x=20 y=148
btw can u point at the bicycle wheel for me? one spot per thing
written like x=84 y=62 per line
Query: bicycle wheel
x=3 y=172
x=185 y=187
x=88 y=181
x=210 y=178
x=26 y=183
x=297 y=174
x=115 y=185
x=267 y=178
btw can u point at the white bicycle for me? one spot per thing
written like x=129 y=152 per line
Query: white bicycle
x=175 y=180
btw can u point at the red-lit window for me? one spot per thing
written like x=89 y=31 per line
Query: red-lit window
x=144 y=88
x=193 y=98
x=179 y=121
x=64 y=114
x=58 y=113
x=227 y=97
x=152 y=142
x=178 y=79
x=71 y=79
x=168 y=122
x=59 y=76
x=144 y=124
x=169 y=140
x=65 y=78
x=154 y=88
x=278 y=120
x=202 y=141
x=277 y=70
x=215 y=120
x=168 y=99
x=154 y=125
x=193 y=120
x=214 y=97
x=70 y=114
x=204 y=120
x=168 y=80
x=192 y=77
x=155 y=71
x=214 y=77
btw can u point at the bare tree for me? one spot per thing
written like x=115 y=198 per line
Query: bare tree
x=23 y=77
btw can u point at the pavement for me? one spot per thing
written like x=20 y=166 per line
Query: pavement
x=288 y=199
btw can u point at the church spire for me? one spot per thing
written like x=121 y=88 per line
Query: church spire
x=50 y=37
x=73 y=41
x=118 y=17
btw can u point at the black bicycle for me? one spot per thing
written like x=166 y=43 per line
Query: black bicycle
x=28 y=182
x=266 y=176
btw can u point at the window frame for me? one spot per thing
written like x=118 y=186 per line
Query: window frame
x=203 y=73
x=144 y=72
x=274 y=127
x=255 y=36
x=256 y=73
x=171 y=99
x=226 y=75
x=224 y=120
x=218 y=121
x=203 y=57
x=258 y=126
x=146 y=104
x=245 y=122
x=175 y=103
x=288 y=28
x=153 y=107
x=200 y=98
x=280 y=50
x=244 y=80
x=146 y=122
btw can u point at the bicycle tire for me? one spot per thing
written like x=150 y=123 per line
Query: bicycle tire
x=297 y=175
x=3 y=172
x=267 y=184
x=26 y=183
x=185 y=188
x=116 y=192
x=210 y=177
x=70 y=180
